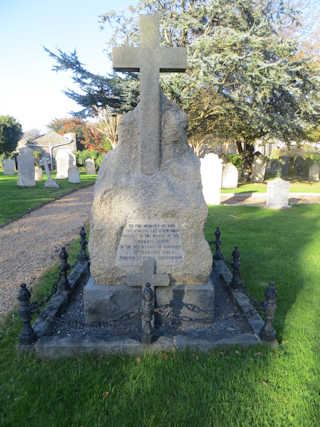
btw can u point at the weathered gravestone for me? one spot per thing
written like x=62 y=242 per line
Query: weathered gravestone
x=9 y=167
x=74 y=175
x=90 y=167
x=230 y=176
x=148 y=200
x=278 y=194
x=258 y=169
x=65 y=159
x=38 y=173
x=26 y=168
x=50 y=182
x=211 y=177
x=300 y=167
x=314 y=171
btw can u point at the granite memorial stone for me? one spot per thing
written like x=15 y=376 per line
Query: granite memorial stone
x=26 y=168
x=9 y=167
x=314 y=171
x=278 y=194
x=148 y=200
x=74 y=175
x=211 y=177
x=229 y=176
x=90 y=167
x=65 y=159
x=258 y=169
x=38 y=173
x=50 y=182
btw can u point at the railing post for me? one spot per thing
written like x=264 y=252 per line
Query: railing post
x=83 y=245
x=63 y=285
x=27 y=336
x=268 y=333
x=236 y=281
x=147 y=312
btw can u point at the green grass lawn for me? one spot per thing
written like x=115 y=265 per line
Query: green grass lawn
x=295 y=187
x=15 y=200
x=235 y=387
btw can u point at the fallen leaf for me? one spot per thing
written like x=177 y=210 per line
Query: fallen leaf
x=237 y=352
x=165 y=356
x=258 y=354
x=265 y=384
x=138 y=359
x=106 y=393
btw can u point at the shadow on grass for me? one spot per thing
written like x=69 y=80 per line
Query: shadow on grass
x=234 y=387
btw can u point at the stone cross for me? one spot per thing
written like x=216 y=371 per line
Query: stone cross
x=150 y=60
x=148 y=275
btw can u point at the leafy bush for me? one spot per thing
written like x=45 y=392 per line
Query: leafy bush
x=235 y=159
x=82 y=156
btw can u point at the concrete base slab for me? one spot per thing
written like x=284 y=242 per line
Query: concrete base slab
x=107 y=303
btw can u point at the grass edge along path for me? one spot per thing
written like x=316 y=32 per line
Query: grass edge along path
x=226 y=387
x=15 y=202
x=261 y=187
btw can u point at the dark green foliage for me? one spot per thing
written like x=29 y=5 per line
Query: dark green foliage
x=10 y=133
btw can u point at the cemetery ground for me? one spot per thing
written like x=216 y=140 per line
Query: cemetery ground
x=258 y=386
x=295 y=187
x=15 y=200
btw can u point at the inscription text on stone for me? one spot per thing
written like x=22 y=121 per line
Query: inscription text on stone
x=144 y=239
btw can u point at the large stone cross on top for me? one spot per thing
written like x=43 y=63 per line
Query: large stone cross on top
x=150 y=60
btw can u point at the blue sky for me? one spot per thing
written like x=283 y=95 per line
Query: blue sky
x=29 y=90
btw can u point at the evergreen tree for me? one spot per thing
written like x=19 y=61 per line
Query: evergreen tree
x=244 y=81
x=10 y=133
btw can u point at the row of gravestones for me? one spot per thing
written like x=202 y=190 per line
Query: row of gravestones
x=216 y=175
x=285 y=167
x=28 y=173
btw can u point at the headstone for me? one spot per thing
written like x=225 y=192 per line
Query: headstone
x=90 y=166
x=300 y=167
x=74 y=175
x=38 y=173
x=65 y=159
x=314 y=171
x=9 y=167
x=26 y=168
x=278 y=194
x=230 y=176
x=284 y=166
x=146 y=204
x=50 y=182
x=273 y=168
x=211 y=177
x=258 y=169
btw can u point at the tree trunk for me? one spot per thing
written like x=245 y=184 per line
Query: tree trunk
x=247 y=154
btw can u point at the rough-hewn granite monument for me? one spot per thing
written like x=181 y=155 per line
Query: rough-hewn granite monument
x=148 y=200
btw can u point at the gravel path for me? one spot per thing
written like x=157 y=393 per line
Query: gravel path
x=31 y=244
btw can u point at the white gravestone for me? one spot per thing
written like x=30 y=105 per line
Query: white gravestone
x=90 y=167
x=26 y=168
x=278 y=194
x=50 y=182
x=211 y=177
x=38 y=173
x=65 y=159
x=230 y=176
x=258 y=169
x=146 y=204
x=9 y=167
x=314 y=172
x=74 y=175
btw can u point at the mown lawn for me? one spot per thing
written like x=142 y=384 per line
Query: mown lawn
x=295 y=187
x=15 y=200
x=235 y=387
